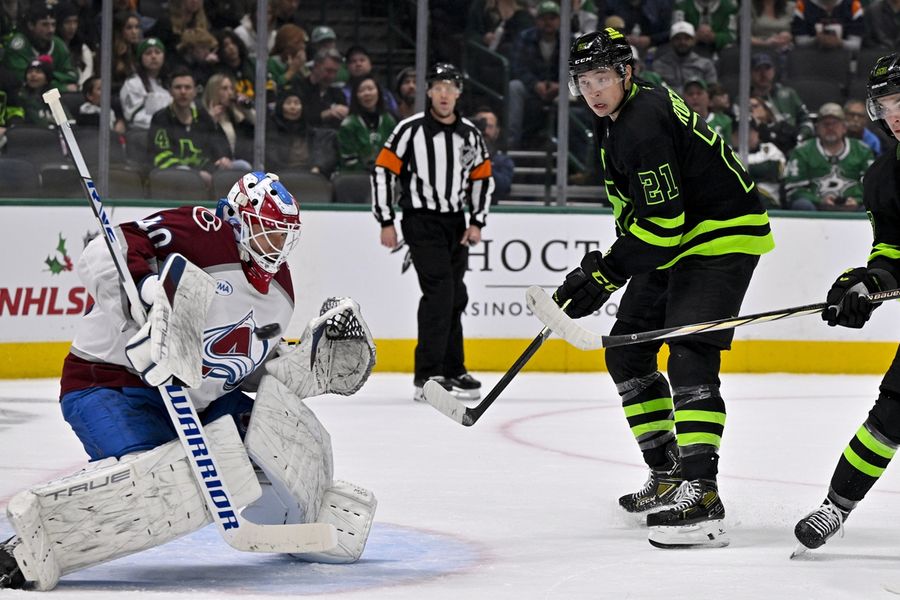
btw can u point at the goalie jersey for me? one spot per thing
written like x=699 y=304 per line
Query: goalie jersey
x=676 y=186
x=231 y=351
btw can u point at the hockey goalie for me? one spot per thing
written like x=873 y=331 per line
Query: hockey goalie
x=218 y=292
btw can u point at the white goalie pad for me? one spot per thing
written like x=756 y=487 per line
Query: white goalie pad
x=351 y=509
x=287 y=441
x=114 y=508
x=335 y=355
x=292 y=447
x=171 y=341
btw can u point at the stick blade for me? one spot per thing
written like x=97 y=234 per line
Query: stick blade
x=446 y=403
x=551 y=315
x=283 y=539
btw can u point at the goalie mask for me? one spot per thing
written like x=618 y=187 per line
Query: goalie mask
x=266 y=221
x=883 y=91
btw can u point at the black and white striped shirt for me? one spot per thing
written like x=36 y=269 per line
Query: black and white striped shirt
x=439 y=168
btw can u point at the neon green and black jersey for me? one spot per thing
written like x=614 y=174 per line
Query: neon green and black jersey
x=676 y=187
x=881 y=195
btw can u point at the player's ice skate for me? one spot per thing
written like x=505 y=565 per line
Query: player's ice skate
x=816 y=528
x=660 y=488
x=695 y=519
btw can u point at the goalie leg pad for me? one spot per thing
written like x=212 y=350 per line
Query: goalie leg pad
x=351 y=510
x=287 y=441
x=118 y=507
x=335 y=355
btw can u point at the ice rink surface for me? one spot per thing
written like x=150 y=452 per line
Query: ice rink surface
x=523 y=504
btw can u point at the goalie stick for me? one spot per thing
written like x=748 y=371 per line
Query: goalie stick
x=237 y=531
x=447 y=403
x=553 y=316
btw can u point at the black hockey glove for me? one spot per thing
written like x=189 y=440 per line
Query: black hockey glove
x=848 y=305
x=588 y=286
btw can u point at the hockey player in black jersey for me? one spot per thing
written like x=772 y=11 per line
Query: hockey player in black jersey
x=870 y=451
x=690 y=230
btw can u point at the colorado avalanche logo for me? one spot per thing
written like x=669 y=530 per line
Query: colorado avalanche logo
x=233 y=352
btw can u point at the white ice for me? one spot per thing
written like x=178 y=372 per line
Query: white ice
x=523 y=504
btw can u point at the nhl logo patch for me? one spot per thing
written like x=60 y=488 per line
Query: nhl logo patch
x=467 y=156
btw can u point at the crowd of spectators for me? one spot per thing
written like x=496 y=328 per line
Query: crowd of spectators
x=186 y=79
x=683 y=44
x=183 y=85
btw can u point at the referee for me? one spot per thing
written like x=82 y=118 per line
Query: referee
x=434 y=164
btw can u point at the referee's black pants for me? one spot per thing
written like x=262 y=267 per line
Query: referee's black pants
x=440 y=262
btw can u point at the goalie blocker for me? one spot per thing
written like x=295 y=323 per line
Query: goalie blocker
x=118 y=507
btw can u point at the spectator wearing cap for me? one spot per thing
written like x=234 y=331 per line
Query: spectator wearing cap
x=682 y=64
x=405 y=92
x=881 y=22
x=715 y=22
x=825 y=173
x=783 y=101
x=647 y=23
x=857 y=120
x=144 y=94
x=39 y=39
x=828 y=24
x=535 y=84
x=67 y=29
x=38 y=76
x=323 y=103
x=359 y=65
x=288 y=57
x=696 y=95
x=324 y=38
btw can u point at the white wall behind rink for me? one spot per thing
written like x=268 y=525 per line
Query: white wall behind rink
x=339 y=254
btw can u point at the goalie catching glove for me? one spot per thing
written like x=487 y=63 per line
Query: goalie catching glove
x=848 y=302
x=169 y=343
x=588 y=286
x=335 y=354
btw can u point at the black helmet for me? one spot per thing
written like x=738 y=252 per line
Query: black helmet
x=445 y=72
x=884 y=80
x=605 y=48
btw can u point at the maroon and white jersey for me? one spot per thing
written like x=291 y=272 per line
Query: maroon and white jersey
x=231 y=352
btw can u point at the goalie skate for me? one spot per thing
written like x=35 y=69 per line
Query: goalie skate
x=10 y=574
x=695 y=519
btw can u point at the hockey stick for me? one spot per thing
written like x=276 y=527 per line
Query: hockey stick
x=238 y=532
x=553 y=316
x=447 y=403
